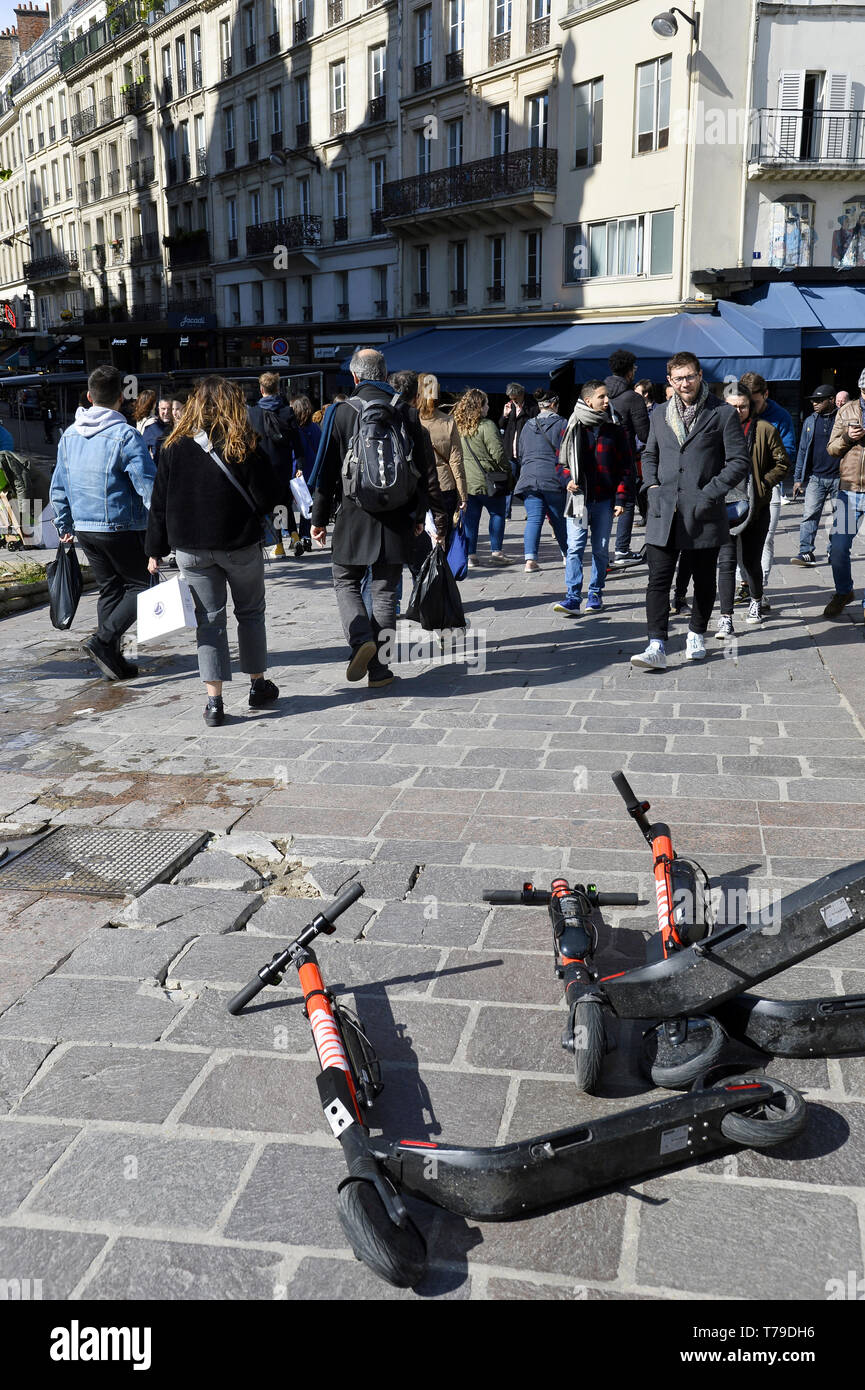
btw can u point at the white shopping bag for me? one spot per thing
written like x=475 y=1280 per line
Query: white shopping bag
x=301 y=494
x=165 y=608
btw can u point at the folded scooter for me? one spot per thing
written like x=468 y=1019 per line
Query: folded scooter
x=498 y=1183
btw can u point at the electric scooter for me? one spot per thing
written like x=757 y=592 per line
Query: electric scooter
x=496 y=1184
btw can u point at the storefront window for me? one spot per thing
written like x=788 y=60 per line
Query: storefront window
x=791 y=233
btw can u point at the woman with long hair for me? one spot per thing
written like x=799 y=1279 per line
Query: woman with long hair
x=489 y=478
x=311 y=436
x=213 y=487
x=144 y=410
x=444 y=437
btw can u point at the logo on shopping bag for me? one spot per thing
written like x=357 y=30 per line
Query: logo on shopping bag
x=158 y=609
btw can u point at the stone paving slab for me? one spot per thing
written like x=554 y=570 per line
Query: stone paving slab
x=172 y=1269
x=72 y=1010
x=57 y=1259
x=196 y=910
x=19 y=1063
x=113 y=1083
x=131 y=955
x=27 y=1152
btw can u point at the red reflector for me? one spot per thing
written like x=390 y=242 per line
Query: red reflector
x=417 y=1144
x=613 y=977
x=751 y=1086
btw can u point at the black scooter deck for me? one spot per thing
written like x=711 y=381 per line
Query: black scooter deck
x=830 y=1027
x=704 y=976
x=502 y=1183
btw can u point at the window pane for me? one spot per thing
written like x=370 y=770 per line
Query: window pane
x=575 y=256
x=661 y=257
x=627 y=264
x=598 y=249
x=583 y=137
x=598 y=119
x=646 y=99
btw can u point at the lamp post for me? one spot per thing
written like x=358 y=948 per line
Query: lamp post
x=667 y=26
x=283 y=156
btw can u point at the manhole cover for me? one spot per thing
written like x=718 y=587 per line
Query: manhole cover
x=104 y=863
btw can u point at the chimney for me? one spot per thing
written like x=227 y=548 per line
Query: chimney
x=32 y=23
x=8 y=49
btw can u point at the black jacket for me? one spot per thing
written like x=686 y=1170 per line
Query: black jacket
x=630 y=408
x=285 y=455
x=195 y=507
x=360 y=537
x=687 y=509
x=513 y=424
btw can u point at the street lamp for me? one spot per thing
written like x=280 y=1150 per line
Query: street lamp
x=283 y=156
x=667 y=25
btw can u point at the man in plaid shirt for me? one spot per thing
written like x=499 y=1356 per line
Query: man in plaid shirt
x=598 y=457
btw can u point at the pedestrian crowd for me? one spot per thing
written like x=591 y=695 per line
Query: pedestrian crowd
x=197 y=479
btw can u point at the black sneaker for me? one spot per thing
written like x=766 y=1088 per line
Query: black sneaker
x=379 y=675
x=262 y=692
x=214 y=712
x=299 y=549
x=743 y=597
x=109 y=661
x=805 y=560
x=307 y=543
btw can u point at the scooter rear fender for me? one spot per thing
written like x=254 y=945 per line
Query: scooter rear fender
x=797 y=1027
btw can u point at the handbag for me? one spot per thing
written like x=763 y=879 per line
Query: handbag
x=203 y=442
x=164 y=608
x=458 y=554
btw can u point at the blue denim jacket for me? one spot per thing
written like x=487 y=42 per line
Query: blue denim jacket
x=104 y=475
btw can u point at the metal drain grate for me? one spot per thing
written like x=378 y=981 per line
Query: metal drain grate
x=103 y=863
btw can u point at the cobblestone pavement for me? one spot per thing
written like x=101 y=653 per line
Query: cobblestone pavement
x=152 y=1146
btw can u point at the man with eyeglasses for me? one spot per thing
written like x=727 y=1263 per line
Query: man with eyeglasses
x=695 y=454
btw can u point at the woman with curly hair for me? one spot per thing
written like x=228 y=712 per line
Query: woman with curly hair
x=213 y=486
x=488 y=474
x=144 y=410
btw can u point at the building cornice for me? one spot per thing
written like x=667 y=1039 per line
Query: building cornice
x=569 y=20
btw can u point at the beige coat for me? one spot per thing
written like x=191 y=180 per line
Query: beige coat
x=445 y=440
x=841 y=446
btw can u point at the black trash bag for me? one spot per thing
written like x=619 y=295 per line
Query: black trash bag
x=64 y=586
x=435 y=601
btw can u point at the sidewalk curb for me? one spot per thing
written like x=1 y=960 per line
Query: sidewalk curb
x=18 y=597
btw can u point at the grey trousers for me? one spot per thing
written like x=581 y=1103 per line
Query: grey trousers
x=358 y=625
x=210 y=574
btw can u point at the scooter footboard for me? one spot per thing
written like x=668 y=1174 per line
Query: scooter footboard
x=502 y=1183
x=725 y=964
x=797 y=1027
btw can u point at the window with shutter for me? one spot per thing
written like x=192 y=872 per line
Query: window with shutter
x=838 y=131
x=788 y=124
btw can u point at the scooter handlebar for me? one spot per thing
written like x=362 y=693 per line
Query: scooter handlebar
x=517 y=897
x=626 y=791
x=243 y=996
x=619 y=900
x=343 y=902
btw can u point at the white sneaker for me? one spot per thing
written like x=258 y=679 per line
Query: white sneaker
x=695 y=647
x=754 y=614
x=654 y=658
x=724 y=629
x=532 y=566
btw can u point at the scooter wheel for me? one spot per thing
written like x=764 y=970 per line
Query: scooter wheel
x=590 y=1043
x=676 y=1063
x=764 y=1125
x=396 y=1254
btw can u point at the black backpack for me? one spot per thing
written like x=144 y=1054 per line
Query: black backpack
x=378 y=473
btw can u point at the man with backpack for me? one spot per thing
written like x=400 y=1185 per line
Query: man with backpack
x=274 y=421
x=373 y=479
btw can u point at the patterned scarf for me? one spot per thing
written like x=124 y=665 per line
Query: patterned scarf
x=682 y=418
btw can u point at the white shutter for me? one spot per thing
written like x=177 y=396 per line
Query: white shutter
x=837 y=135
x=788 y=128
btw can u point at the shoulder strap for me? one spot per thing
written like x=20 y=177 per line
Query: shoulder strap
x=204 y=443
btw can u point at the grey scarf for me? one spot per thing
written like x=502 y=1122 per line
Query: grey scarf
x=682 y=418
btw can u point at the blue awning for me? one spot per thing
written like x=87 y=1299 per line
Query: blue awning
x=486 y=357
x=825 y=315
x=724 y=349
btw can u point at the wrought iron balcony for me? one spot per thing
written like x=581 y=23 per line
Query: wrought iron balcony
x=113 y=180
x=201 y=162
x=101 y=35
x=83 y=193
x=95 y=189
x=532 y=290
x=830 y=143
x=64 y=126
x=40 y=138
x=137 y=95
x=293 y=233
x=226 y=67
x=334 y=13
x=181 y=82
x=185 y=166
x=500 y=48
x=148 y=312
x=342 y=311
x=196 y=76
x=276 y=140
x=52 y=134
x=171 y=171
x=512 y=179
x=537 y=34
x=54 y=267
x=340 y=228
x=377 y=110
x=422 y=76
x=83 y=122
x=381 y=308
x=301 y=135
x=249 y=55
x=229 y=158
x=94 y=257
x=454 y=64
x=179 y=305
x=188 y=248
x=421 y=299
x=232 y=248
x=144 y=247
x=337 y=122
x=167 y=90
x=106 y=110
x=459 y=296
x=118 y=312
x=116 y=248
x=306 y=313
x=140 y=173
x=495 y=294
x=273 y=43
x=301 y=30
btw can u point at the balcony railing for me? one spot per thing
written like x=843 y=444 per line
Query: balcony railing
x=147 y=312
x=232 y=248
x=500 y=48
x=54 y=267
x=116 y=248
x=83 y=122
x=229 y=158
x=337 y=122
x=273 y=43
x=306 y=313
x=144 y=247
x=340 y=228
x=52 y=134
x=293 y=232
x=179 y=305
x=167 y=90
x=532 y=290
x=334 y=13
x=226 y=67
x=94 y=257
x=196 y=76
x=454 y=64
x=301 y=135
x=171 y=171
x=459 y=296
x=106 y=110
x=421 y=299
x=64 y=126
x=520 y=171
x=140 y=173
x=377 y=110
x=185 y=166
x=101 y=35
x=249 y=55
x=95 y=189
x=181 y=82
x=191 y=248
x=342 y=311
x=137 y=95
x=36 y=67
x=537 y=34
x=791 y=139
x=422 y=76
x=301 y=30
x=495 y=294
x=201 y=162
x=83 y=193
x=113 y=180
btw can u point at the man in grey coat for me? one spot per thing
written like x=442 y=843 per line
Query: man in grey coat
x=696 y=453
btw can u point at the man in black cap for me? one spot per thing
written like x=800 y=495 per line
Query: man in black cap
x=817 y=472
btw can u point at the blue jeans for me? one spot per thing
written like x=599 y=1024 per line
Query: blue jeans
x=597 y=518
x=849 y=512
x=537 y=504
x=816 y=494
x=496 y=506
